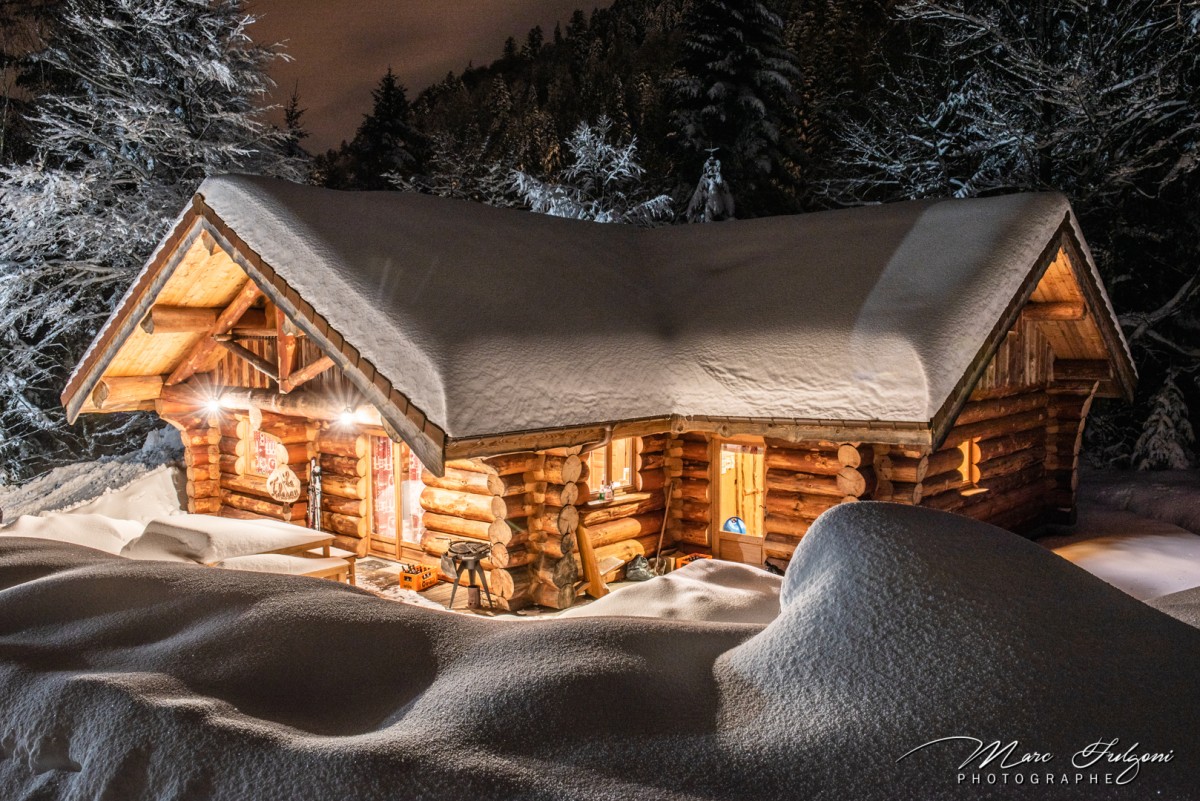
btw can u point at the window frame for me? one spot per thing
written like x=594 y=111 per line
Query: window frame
x=632 y=449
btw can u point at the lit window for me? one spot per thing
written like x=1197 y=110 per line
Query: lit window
x=612 y=465
x=968 y=468
x=264 y=454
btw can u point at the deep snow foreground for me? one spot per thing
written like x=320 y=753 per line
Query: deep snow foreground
x=898 y=626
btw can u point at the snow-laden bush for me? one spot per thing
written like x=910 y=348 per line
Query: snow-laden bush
x=1167 y=435
x=144 y=99
x=603 y=182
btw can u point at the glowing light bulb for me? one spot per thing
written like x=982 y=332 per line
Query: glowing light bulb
x=212 y=406
x=346 y=418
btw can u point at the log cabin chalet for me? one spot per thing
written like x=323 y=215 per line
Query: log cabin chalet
x=568 y=391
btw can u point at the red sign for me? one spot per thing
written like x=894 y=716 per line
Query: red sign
x=265 y=456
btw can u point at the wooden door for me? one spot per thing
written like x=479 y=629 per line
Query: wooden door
x=738 y=483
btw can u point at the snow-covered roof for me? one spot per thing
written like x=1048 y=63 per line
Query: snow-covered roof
x=493 y=321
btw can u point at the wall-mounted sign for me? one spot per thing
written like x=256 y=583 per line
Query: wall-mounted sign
x=283 y=484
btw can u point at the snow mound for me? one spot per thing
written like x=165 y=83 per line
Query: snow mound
x=107 y=534
x=1183 y=605
x=1172 y=496
x=898 y=626
x=707 y=589
x=137 y=486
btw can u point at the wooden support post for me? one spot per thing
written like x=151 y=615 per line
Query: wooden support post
x=248 y=356
x=285 y=344
x=591 y=568
x=305 y=374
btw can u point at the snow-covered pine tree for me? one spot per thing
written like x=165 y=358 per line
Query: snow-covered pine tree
x=735 y=91
x=603 y=183
x=712 y=201
x=386 y=142
x=150 y=97
x=1167 y=436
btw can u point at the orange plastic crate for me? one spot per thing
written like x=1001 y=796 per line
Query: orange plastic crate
x=420 y=580
x=692 y=557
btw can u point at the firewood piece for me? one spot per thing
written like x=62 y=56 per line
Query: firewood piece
x=113 y=391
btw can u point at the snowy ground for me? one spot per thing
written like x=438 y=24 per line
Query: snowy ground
x=1139 y=532
x=897 y=626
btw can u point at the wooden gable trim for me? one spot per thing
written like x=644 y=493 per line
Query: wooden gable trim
x=943 y=421
x=129 y=313
x=1064 y=239
x=1124 y=370
x=400 y=415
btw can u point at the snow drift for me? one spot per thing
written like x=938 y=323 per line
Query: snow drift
x=898 y=626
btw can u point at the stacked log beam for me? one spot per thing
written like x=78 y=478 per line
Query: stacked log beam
x=804 y=479
x=687 y=463
x=553 y=523
x=345 y=459
x=244 y=495
x=202 y=459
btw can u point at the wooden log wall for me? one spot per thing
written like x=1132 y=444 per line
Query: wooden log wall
x=687 y=462
x=1003 y=431
x=345 y=459
x=806 y=478
x=552 y=513
x=244 y=495
x=630 y=525
x=1067 y=415
x=202 y=459
x=495 y=500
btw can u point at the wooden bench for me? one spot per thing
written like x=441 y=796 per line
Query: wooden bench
x=350 y=556
x=329 y=567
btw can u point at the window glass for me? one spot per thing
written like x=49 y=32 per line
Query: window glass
x=611 y=464
x=383 y=489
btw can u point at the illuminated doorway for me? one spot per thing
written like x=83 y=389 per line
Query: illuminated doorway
x=738 y=481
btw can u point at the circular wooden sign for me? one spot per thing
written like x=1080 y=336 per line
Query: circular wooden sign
x=283 y=484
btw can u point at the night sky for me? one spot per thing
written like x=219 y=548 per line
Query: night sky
x=341 y=49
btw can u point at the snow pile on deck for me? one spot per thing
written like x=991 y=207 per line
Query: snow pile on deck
x=137 y=486
x=707 y=589
x=898 y=626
